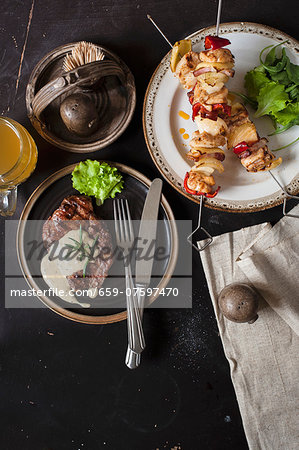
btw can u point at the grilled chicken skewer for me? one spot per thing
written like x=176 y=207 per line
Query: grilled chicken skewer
x=220 y=124
x=243 y=138
x=205 y=74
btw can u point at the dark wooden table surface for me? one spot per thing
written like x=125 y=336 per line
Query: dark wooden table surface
x=64 y=386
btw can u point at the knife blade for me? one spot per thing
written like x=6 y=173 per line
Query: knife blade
x=147 y=233
x=146 y=240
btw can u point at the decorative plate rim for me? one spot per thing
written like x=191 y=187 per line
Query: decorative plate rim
x=163 y=166
x=82 y=318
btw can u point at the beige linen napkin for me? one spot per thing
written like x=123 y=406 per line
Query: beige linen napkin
x=263 y=356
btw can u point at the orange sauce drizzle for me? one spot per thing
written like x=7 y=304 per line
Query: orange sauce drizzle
x=184 y=115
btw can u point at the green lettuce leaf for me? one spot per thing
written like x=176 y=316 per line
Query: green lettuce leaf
x=272 y=98
x=282 y=77
x=293 y=92
x=271 y=56
x=293 y=72
x=254 y=81
x=283 y=129
x=285 y=146
x=272 y=63
x=279 y=64
x=97 y=179
x=289 y=114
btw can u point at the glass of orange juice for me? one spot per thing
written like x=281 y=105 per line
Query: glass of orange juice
x=18 y=157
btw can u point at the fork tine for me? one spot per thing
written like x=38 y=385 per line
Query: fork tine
x=130 y=221
x=116 y=222
x=120 y=221
x=125 y=222
x=125 y=240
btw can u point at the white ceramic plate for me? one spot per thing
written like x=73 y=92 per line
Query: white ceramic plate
x=240 y=190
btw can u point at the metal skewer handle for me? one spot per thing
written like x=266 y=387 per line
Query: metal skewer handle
x=209 y=241
x=287 y=195
x=218 y=16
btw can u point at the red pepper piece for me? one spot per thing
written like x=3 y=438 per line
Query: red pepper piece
x=241 y=147
x=196 y=108
x=205 y=114
x=217 y=109
x=212 y=115
x=227 y=110
x=191 y=95
x=187 y=189
x=222 y=108
x=213 y=194
x=214 y=42
x=193 y=192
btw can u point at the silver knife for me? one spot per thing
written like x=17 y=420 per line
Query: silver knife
x=146 y=237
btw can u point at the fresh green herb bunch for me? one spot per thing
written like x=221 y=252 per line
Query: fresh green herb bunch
x=273 y=89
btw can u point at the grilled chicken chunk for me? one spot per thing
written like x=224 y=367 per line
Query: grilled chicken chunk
x=260 y=157
x=236 y=120
x=195 y=155
x=222 y=55
x=206 y=140
x=200 y=182
x=258 y=160
x=185 y=67
x=219 y=95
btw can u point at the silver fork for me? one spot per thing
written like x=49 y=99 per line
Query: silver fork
x=125 y=239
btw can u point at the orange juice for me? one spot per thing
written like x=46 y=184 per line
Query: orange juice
x=9 y=148
x=18 y=157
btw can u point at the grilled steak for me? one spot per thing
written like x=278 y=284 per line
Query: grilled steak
x=73 y=211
